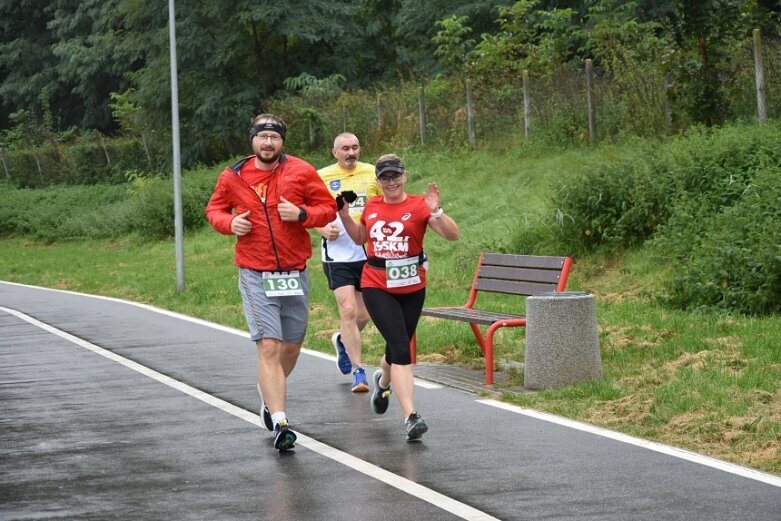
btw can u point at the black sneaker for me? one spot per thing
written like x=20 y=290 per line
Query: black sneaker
x=284 y=438
x=379 y=395
x=415 y=426
x=265 y=415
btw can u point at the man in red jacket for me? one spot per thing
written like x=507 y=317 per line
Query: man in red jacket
x=268 y=200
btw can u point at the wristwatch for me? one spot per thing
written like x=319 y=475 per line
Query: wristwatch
x=439 y=213
x=302 y=215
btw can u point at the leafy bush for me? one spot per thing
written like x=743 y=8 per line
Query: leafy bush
x=621 y=201
x=51 y=214
x=143 y=206
x=735 y=262
x=153 y=203
x=616 y=202
x=709 y=202
x=91 y=160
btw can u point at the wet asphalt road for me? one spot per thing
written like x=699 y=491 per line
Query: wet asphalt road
x=110 y=410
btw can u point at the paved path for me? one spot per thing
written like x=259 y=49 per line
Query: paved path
x=112 y=410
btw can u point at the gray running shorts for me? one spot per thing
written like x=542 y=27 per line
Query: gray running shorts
x=283 y=317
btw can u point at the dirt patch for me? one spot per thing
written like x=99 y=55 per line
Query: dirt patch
x=695 y=361
x=68 y=284
x=626 y=410
x=730 y=342
x=621 y=337
x=450 y=355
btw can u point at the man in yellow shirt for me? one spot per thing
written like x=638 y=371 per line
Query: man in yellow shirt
x=343 y=260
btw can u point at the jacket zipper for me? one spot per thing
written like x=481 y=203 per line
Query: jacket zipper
x=268 y=217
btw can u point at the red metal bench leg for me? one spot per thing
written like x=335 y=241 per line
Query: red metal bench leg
x=478 y=337
x=489 y=353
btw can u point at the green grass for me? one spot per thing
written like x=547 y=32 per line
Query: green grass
x=706 y=381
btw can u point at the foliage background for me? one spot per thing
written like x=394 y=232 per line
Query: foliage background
x=72 y=71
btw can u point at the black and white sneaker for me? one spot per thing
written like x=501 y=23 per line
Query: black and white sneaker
x=415 y=427
x=379 y=395
x=284 y=438
x=265 y=415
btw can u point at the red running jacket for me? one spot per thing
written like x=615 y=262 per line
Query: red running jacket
x=272 y=244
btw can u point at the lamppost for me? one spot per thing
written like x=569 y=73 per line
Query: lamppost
x=177 y=162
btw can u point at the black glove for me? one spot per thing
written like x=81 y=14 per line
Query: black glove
x=347 y=195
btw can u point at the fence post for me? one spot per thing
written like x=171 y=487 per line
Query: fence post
x=759 y=74
x=592 y=125
x=5 y=167
x=71 y=161
x=422 y=115
x=470 y=114
x=527 y=116
x=668 y=111
x=40 y=171
x=105 y=151
x=146 y=150
x=379 y=111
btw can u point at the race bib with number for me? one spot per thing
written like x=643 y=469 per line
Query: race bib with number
x=282 y=283
x=401 y=272
x=357 y=206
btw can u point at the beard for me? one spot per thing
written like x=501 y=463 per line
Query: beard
x=266 y=158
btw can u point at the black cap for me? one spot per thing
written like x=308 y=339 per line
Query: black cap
x=390 y=165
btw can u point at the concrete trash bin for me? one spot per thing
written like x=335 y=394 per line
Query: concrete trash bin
x=562 y=341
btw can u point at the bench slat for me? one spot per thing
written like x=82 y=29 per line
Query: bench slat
x=474 y=316
x=523 y=261
x=520 y=274
x=514 y=287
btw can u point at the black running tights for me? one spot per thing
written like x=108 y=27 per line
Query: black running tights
x=396 y=316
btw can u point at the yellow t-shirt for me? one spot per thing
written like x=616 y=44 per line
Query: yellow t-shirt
x=363 y=182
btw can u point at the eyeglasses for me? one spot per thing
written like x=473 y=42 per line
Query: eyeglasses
x=272 y=137
x=385 y=179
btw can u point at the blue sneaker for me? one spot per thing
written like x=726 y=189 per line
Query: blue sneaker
x=342 y=359
x=379 y=395
x=284 y=438
x=360 y=385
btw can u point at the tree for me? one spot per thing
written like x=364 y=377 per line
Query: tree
x=708 y=32
x=94 y=55
x=529 y=37
x=27 y=66
x=416 y=27
x=453 y=46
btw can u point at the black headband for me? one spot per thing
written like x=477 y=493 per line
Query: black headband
x=394 y=165
x=269 y=125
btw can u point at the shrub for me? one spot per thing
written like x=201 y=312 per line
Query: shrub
x=143 y=206
x=622 y=201
x=153 y=215
x=736 y=262
x=51 y=214
x=91 y=160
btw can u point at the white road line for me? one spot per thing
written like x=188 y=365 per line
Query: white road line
x=650 y=445
x=187 y=318
x=446 y=503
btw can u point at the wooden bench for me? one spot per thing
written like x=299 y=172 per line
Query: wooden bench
x=522 y=275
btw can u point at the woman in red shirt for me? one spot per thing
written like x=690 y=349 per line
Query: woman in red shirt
x=394 y=278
